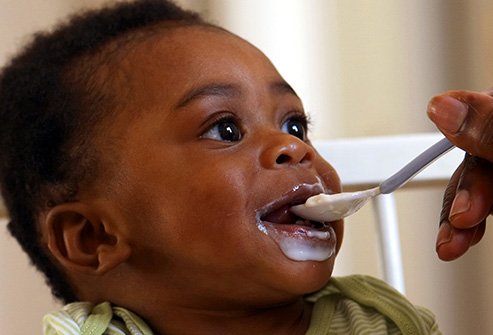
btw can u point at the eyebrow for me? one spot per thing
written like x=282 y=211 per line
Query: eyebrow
x=282 y=87
x=225 y=90
x=230 y=90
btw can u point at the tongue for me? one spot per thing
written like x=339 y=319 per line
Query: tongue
x=281 y=216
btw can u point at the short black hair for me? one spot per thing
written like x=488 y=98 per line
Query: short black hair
x=49 y=105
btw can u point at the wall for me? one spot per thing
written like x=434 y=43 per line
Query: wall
x=362 y=68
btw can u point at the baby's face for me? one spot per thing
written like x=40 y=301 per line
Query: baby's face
x=212 y=151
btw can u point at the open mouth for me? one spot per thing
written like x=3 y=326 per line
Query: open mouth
x=278 y=215
x=283 y=216
x=298 y=238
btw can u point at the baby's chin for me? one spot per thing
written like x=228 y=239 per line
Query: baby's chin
x=308 y=277
x=304 y=277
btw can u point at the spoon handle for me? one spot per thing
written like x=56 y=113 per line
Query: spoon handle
x=415 y=166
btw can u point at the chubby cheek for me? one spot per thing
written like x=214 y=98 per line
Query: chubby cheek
x=211 y=211
x=196 y=225
x=182 y=209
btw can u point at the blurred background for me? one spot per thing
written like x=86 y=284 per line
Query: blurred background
x=362 y=68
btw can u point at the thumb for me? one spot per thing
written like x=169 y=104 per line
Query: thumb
x=466 y=119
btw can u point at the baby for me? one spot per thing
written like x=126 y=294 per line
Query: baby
x=149 y=162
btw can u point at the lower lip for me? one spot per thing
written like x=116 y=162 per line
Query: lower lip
x=301 y=243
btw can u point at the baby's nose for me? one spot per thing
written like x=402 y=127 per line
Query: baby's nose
x=286 y=150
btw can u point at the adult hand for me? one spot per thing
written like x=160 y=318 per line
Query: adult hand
x=466 y=119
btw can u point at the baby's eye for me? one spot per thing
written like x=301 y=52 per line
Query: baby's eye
x=225 y=130
x=296 y=126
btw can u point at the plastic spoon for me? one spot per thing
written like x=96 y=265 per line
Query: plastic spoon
x=332 y=207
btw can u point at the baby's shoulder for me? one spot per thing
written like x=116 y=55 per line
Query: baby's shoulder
x=360 y=302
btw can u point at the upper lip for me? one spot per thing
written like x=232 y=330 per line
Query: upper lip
x=297 y=195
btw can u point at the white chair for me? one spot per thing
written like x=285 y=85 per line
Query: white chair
x=367 y=161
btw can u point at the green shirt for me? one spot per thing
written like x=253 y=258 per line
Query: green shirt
x=347 y=305
x=366 y=305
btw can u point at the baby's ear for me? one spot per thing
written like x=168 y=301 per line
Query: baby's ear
x=82 y=240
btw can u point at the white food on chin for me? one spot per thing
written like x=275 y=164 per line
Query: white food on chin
x=305 y=244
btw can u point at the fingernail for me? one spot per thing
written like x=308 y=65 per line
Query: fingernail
x=461 y=203
x=447 y=113
x=444 y=234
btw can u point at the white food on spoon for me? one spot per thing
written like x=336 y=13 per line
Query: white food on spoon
x=332 y=207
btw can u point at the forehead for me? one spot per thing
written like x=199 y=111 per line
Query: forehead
x=184 y=45
x=162 y=67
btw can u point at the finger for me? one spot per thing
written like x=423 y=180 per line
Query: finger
x=450 y=244
x=466 y=204
x=453 y=243
x=466 y=119
x=479 y=233
x=473 y=199
x=450 y=192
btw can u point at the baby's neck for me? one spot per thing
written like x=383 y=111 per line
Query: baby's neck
x=292 y=319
